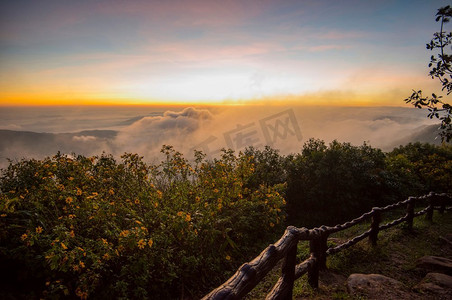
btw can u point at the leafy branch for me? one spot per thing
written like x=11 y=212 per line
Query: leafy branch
x=441 y=68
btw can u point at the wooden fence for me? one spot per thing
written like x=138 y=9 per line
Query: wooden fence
x=251 y=273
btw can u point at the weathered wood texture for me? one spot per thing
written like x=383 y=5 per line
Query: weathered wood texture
x=250 y=274
x=284 y=287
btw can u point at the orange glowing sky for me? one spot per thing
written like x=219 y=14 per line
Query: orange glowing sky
x=234 y=52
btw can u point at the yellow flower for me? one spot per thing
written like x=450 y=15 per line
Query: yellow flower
x=75 y=268
x=24 y=237
x=159 y=194
x=188 y=218
x=69 y=200
x=124 y=233
x=141 y=243
x=180 y=213
x=106 y=256
x=228 y=257
x=215 y=190
x=150 y=242
x=137 y=201
x=156 y=204
x=71 y=178
x=79 y=192
x=38 y=229
x=63 y=246
x=197 y=199
x=3 y=215
x=82 y=295
x=82 y=264
x=111 y=192
x=272 y=225
x=105 y=241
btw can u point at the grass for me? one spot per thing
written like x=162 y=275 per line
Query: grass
x=394 y=256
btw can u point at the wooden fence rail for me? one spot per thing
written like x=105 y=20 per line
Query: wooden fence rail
x=251 y=273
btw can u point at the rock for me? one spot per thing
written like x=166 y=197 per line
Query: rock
x=435 y=264
x=376 y=286
x=436 y=284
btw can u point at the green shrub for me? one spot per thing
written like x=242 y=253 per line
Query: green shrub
x=94 y=227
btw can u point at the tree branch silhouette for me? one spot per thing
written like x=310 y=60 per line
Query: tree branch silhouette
x=441 y=68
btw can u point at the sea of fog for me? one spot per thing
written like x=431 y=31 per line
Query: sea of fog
x=36 y=132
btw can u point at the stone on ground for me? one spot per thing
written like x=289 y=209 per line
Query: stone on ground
x=435 y=264
x=376 y=286
x=436 y=284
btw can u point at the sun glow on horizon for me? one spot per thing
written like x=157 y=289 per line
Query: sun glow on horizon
x=204 y=52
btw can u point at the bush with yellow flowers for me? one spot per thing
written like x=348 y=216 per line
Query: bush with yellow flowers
x=95 y=227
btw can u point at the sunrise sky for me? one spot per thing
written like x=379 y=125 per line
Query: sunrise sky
x=237 y=52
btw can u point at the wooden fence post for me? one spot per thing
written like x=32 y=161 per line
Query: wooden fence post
x=321 y=250
x=429 y=215
x=442 y=203
x=313 y=272
x=410 y=213
x=375 y=226
x=288 y=272
x=283 y=289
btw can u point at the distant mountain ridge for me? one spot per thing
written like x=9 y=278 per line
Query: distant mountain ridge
x=424 y=134
x=21 y=144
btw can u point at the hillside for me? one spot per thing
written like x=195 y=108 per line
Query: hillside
x=395 y=256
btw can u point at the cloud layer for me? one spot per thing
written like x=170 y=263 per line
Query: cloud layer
x=145 y=130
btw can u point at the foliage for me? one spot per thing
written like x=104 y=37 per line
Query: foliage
x=421 y=168
x=75 y=226
x=269 y=164
x=330 y=184
x=441 y=68
x=95 y=227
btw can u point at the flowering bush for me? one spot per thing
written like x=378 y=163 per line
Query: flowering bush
x=94 y=227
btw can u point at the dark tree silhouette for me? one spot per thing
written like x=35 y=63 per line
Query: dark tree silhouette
x=441 y=68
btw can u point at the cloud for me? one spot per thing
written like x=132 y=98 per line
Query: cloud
x=330 y=47
x=148 y=134
x=144 y=130
x=11 y=127
x=84 y=138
